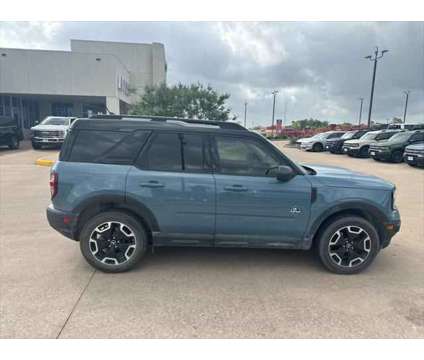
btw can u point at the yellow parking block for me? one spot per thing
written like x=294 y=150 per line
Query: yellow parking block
x=44 y=162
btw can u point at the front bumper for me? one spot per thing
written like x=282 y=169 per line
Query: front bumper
x=350 y=151
x=62 y=221
x=380 y=154
x=391 y=228
x=414 y=159
x=47 y=141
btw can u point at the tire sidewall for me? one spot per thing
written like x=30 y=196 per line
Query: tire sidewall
x=326 y=234
x=136 y=227
x=317 y=147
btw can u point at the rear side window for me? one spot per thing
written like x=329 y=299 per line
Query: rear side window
x=176 y=152
x=107 y=147
x=385 y=136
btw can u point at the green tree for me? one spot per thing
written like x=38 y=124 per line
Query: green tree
x=309 y=124
x=193 y=101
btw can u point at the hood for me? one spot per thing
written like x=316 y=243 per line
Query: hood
x=337 y=176
x=418 y=146
x=50 y=127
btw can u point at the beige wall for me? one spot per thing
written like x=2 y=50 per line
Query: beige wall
x=146 y=63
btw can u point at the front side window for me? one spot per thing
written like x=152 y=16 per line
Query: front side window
x=107 y=147
x=241 y=156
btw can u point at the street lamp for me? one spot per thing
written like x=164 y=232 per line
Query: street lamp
x=275 y=92
x=374 y=58
x=360 y=110
x=406 y=104
x=245 y=113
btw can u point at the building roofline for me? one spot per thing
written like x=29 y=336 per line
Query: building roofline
x=118 y=42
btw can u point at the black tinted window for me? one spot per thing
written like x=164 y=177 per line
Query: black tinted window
x=195 y=152
x=108 y=147
x=417 y=137
x=385 y=136
x=164 y=153
x=242 y=156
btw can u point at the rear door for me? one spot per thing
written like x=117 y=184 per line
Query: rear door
x=254 y=208
x=173 y=179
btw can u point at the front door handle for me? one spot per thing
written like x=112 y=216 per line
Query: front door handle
x=235 y=187
x=152 y=184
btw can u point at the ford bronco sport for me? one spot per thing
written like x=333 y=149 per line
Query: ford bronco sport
x=123 y=184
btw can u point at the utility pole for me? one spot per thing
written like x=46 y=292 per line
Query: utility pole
x=275 y=92
x=285 y=112
x=245 y=113
x=360 y=110
x=406 y=104
x=374 y=58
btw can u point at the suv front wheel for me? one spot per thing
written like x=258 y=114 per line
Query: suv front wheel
x=348 y=245
x=113 y=241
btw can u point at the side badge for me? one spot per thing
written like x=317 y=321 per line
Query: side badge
x=295 y=210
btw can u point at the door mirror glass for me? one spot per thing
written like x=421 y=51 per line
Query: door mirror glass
x=284 y=173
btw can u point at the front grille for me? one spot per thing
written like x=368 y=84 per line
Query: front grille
x=48 y=134
x=414 y=152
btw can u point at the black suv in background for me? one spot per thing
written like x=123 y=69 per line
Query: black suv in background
x=393 y=148
x=10 y=133
x=335 y=146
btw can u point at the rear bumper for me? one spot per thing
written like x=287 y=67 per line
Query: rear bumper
x=63 y=222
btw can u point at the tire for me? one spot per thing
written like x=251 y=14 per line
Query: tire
x=14 y=143
x=317 y=147
x=36 y=146
x=363 y=152
x=122 y=247
x=397 y=156
x=348 y=245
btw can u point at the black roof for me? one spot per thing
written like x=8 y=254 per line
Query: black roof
x=131 y=123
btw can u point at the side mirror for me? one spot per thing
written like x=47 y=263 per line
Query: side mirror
x=284 y=173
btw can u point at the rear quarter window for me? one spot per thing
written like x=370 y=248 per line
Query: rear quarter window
x=107 y=147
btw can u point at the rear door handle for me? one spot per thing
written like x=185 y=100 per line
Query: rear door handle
x=152 y=184
x=238 y=188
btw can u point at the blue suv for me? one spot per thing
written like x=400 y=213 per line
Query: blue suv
x=125 y=184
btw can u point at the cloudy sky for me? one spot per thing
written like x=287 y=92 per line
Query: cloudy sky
x=318 y=68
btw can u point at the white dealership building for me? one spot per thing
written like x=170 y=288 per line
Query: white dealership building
x=93 y=77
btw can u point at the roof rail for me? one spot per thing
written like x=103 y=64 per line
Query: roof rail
x=221 y=124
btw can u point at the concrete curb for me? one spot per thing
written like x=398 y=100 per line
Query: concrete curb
x=44 y=162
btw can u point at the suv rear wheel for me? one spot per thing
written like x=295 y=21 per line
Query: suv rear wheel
x=348 y=245
x=113 y=241
x=14 y=143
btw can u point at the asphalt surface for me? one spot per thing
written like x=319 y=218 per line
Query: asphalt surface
x=47 y=290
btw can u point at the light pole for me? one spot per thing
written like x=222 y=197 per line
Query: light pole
x=360 y=110
x=275 y=92
x=406 y=104
x=245 y=113
x=374 y=58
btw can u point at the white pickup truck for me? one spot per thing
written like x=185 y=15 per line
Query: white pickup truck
x=51 y=131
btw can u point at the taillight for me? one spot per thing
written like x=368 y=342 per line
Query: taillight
x=53 y=183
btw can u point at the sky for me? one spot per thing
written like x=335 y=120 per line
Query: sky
x=318 y=68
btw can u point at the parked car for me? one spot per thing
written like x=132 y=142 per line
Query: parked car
x=317 y=143
x=335 y=146
x=121 y=186
x=414 y=154
x=50 y=132
x=10 y=132
x=393 y=148
x=360 y=147
x=409 y=126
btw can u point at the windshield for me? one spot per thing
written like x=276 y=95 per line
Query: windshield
x=348 y=135
x=55 y=121
x=402 y=136
x=369 y=136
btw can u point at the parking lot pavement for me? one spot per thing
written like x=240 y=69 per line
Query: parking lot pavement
x=47 y=289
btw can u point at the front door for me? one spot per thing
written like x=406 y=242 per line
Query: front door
x=254 y=208
x=174 y=181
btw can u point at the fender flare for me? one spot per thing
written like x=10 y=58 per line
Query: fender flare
x=119 y=201
x=373 y=213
